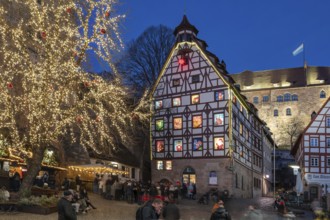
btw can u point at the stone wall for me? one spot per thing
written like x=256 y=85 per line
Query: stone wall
x=203 y=167
x=308 y=101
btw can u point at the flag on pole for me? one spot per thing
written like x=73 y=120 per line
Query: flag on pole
x=298 y=50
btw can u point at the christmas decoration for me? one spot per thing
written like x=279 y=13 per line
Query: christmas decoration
x=50 y=100
x=103 y=31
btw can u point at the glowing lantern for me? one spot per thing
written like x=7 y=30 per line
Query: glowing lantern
x=103 y=31
x=107 y=14
x=182 y=61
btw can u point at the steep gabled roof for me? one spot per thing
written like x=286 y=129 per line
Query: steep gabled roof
x=300 y=138
x=185 y=25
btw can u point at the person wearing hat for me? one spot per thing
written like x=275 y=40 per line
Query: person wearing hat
x=64 y=207
x=219 y=211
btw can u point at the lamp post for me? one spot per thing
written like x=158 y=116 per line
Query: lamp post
x=274 y=165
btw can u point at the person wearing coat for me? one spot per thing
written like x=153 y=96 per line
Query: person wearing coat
x=65 y=209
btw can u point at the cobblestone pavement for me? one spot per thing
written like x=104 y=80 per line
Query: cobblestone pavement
x=189 y=209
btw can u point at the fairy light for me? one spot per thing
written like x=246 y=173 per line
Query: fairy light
x=45 y=93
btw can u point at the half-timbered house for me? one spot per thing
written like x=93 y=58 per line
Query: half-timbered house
x=203 y=131
x=312 y=154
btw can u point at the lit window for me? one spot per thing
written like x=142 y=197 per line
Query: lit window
x=279 y=98
x=177 y=123
x=218 y=119
x=275 y=112
x=287 y=97
x=314 y=161
x=219 y=95
x=160 y=147
x=168 y=165
x=288 y=111
x=176 y=101
x=159 y=104
x=255 y=100
x=314 y=142
x=241 y=128
x=195 y=99
x=197 y=121
x=265 y=98
x=294 y=97
x=197 y=144
x=159 y=124
x=178 y=145
x=322 y=94
x=219 y=143
x=160 y=165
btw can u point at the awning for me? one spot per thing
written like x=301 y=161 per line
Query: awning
x=96 y=168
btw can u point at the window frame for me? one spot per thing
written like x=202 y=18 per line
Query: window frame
x=175 y=82
x=314 y=162
x=195 y=78
x=255 y=100
x=323 y=94
x=201 y=119
x=314 y=142
x=193 y=96
x=288 y=112
x=287 y=97
x=180 y=102
x=265 y=98
x=181 y=123
x=279 y=98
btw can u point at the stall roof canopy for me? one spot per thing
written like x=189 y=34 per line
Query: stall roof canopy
x=98 y=168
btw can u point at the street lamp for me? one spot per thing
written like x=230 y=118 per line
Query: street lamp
x=274 y=165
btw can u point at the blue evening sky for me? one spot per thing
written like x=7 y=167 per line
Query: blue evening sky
x=247 y=34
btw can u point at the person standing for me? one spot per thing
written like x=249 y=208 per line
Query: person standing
x=64 y=207
x=219 y=212
x=65 y=184
x=78 y=183
x=96 y=184
x=171 y=211
x=153 y=210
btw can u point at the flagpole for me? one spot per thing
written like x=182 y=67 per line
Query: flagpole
x=305 y=64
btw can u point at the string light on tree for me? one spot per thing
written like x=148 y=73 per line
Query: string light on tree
x=46 y=93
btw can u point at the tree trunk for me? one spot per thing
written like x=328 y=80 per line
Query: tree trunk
x=33 y=167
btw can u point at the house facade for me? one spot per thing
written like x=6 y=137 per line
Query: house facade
x=312 y=154
x=203 y=131
x=285 y=98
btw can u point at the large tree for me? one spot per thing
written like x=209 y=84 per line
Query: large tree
x=145 y=56
x=140 y=66
x=46 y=96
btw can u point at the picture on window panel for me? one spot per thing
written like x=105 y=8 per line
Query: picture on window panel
x=219 y=95
x=177 y=123
x=218 y=119
x=159 y=125
x=178 y=145
x=219 y=143
x=168 y=165
x=194 y=99
x=160 y=147
x=160 y=165
x=158 y=104
x=176 y=101
x=197 y=121
x=197 y=144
